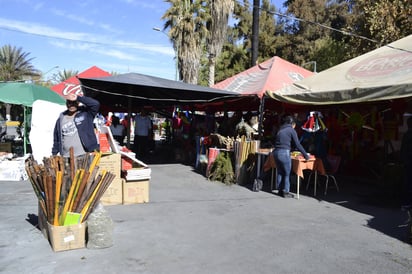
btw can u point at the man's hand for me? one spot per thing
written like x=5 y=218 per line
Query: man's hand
x=71 y=97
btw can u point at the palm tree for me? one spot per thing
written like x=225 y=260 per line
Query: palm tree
x=14 y=65
x=63 y=75
x=220 y=11
x=186 y=21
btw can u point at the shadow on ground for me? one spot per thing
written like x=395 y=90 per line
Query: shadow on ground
x=360 y=194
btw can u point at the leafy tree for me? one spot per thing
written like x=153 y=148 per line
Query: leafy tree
x=380 y=22
x=308 y=32
x=236 y=54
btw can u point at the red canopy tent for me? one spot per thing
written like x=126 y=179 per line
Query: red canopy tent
x=272 y=74
x=72 y=85
x=257 y=80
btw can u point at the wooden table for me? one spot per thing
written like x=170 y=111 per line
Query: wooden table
x=298 y=165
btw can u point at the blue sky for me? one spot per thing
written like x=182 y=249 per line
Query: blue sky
x=115 y=35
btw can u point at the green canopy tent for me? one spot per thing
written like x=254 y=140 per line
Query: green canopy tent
x=18 y=93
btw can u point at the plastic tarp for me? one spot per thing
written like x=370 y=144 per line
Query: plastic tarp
x=134 y=90
x=381 y=74
x=44 y=117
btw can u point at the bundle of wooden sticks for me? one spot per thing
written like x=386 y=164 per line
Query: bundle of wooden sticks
x=68 y=188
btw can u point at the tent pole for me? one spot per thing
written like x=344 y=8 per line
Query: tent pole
x=129 y=116
x=261 y=111
x=24 y=129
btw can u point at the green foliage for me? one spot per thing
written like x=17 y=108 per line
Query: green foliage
x=222 y=169
x=15 y=64
x=63 y=75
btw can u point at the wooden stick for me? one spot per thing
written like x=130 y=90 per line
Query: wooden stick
x=72 y=168
x=57 y=198
x=106 y=181
x=80 y=191
x=69 y=198
x=90 y=200
x=86 y=191
x=49 y=198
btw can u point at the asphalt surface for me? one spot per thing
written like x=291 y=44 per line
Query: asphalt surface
x=192 y=225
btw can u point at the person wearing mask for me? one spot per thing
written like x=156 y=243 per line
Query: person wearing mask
x=74 y=127
x=142 y=133
x=285 y=138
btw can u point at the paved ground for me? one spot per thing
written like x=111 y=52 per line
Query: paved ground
x=192 y=225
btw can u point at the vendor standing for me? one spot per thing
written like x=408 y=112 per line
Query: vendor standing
x=285 y=137
x=142 y=133
x=75 y=128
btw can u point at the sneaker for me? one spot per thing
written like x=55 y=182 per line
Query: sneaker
x=287 y=195
x=280 y=193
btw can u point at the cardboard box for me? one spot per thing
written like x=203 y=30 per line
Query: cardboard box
x=67 y=237
x=135 y=192
x=114 y=194
x=111 y=162
x=5 y=147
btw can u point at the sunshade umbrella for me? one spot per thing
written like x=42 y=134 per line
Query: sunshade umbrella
x=379 y=75
x=25 y=94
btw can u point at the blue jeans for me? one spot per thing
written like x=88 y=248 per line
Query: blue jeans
x=283 y=166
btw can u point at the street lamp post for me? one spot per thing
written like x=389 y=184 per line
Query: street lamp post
x=44 y=74
x=175 y=48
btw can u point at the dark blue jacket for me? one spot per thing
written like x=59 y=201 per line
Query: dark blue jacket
x=286 y=136
x=84 y=123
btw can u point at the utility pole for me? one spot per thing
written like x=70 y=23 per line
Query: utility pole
x=255 y=32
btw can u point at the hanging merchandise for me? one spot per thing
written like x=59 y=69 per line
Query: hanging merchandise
x=314 y=122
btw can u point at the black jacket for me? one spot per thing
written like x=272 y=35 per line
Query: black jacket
x=286 y=136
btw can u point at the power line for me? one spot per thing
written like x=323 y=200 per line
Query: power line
x=328 y=27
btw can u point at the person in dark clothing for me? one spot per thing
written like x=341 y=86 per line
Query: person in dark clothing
x=75 y=128
x=406 y=157
x=285 y=137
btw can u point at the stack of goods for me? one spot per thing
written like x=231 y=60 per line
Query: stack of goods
x=245 y=159
x=68 y=189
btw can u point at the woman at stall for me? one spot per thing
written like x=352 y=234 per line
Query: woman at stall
x=285 y=138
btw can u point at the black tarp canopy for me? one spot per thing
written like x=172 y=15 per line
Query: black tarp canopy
x=133 y=90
